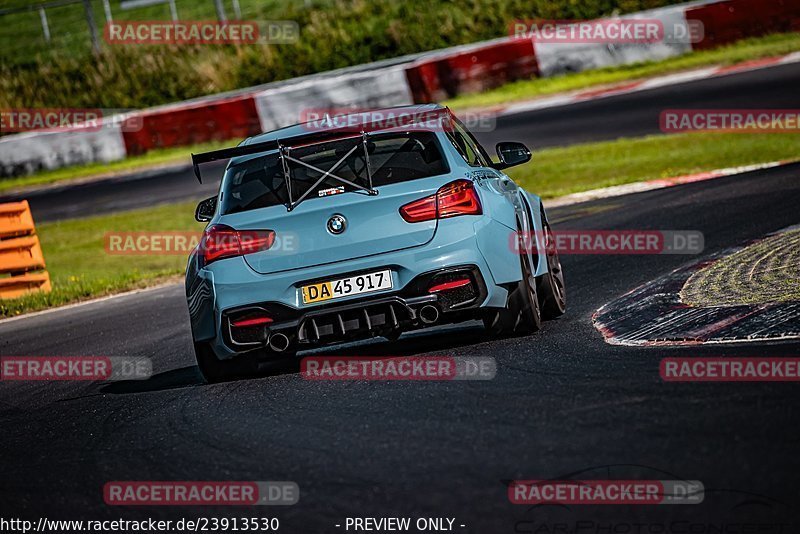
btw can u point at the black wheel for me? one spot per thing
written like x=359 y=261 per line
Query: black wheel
x=215 y=370
x=551 y=289
x=522 y=314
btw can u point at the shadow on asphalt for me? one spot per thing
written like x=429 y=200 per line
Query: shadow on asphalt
x=173 y=379
x=412 y=343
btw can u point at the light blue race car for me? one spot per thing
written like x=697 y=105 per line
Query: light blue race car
x=365 y=225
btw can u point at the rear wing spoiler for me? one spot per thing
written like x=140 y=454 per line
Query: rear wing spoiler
x=368 y=127
x=284 y=146
x=228 y=153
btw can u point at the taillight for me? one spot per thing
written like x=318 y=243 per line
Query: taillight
x=251 y=321
x=420 y=210
x=451 y=200
x=221 y=241
x=452 y=284
x=249 y=327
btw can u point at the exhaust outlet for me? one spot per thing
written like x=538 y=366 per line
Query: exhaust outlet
x=429 y=314
x=278 y=342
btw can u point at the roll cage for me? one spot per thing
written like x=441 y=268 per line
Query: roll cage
x=285 y=146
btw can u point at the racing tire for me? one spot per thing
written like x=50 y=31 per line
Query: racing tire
x=215 y=370
x=522 y=314
x=550 y=286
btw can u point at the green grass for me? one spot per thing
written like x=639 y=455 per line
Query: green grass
x=561 y=171
x=22 y=37
x=765 y=272
x=80 y=268
x=152 y=159
x=748 y=49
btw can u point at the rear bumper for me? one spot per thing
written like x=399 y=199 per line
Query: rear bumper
x=410 y=308
x=230 y=286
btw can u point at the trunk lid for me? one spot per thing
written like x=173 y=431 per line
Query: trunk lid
x=373 y=226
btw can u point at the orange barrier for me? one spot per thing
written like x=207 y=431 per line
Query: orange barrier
x=15 y=219
x=20 y=253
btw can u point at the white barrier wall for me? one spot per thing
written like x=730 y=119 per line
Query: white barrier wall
x=29 y=152
x=562 y=58
x=286 y=105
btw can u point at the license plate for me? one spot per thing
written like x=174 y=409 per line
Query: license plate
x=345 y=287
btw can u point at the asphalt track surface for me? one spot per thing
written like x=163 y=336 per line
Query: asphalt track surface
x=562 y=402
x=628 y=115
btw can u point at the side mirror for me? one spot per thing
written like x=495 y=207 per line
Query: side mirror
x=206 y=209
x=511 y=154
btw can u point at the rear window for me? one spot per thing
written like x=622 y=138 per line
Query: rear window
x=393 y=158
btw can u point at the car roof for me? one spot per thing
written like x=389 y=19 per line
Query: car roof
x=354 y=120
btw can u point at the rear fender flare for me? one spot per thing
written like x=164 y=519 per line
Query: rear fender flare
x=535 y=210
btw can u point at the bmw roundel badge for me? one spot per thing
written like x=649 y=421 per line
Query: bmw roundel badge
x=337 y=224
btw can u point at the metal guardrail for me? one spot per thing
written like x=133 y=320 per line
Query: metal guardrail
x=76 y=24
